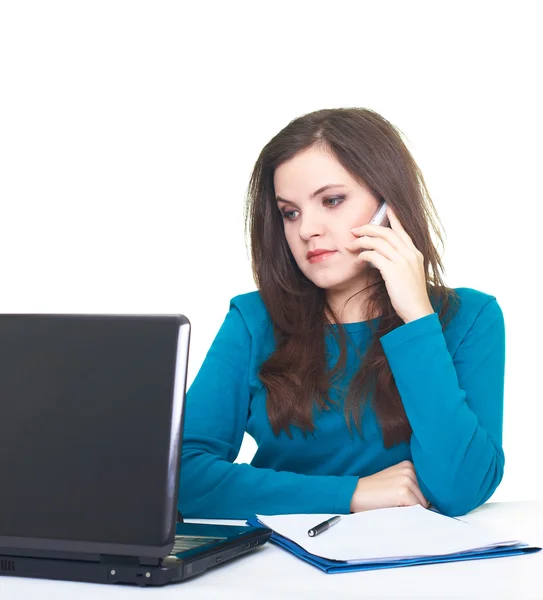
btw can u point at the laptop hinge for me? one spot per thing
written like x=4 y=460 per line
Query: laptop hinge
x=127 y=560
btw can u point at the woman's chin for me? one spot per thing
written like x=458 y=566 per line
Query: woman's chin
x=330 y=281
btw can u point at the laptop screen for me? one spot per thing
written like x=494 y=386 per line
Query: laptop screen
x=88 y=449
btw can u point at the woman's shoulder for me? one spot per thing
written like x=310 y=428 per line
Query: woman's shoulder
x=252 y=309
x=473 y=305
x=472 y=298
x=257 y=323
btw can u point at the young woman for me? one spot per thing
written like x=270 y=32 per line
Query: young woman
x=364 y=380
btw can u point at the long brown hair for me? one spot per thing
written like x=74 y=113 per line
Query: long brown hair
x=296 y=375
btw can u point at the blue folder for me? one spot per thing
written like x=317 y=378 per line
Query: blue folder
x=338 y=566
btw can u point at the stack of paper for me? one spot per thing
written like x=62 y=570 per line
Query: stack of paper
x=388 y=537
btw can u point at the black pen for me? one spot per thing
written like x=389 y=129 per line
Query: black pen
x=323 y=526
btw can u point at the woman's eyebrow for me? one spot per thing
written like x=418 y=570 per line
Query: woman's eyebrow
x=315 y=193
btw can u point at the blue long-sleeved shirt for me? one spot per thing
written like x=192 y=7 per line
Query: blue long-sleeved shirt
x=451 y=384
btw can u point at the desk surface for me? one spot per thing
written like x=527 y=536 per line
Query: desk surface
x=270 y=572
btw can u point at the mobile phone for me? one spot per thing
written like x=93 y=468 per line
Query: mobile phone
x=380 y=216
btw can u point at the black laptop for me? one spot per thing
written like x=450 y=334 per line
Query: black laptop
x=91 y=421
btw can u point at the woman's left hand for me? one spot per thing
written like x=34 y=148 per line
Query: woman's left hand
x=392 y=251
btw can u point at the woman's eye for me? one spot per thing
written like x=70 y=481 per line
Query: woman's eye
x=288 y=214
x=336 y=200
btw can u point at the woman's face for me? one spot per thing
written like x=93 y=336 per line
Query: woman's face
x=323 y=221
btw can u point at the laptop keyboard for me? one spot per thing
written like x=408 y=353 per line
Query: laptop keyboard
x=189 y=542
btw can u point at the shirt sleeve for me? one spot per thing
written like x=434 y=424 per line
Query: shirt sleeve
x=454 y=405
x=216 y=411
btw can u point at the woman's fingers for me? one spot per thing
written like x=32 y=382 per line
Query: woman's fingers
x=411 y=495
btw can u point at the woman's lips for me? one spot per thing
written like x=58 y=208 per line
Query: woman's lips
x=317 y=258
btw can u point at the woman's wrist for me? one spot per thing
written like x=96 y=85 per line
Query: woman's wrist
x=355 y=500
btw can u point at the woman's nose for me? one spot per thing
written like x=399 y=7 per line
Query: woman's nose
x=310 y=226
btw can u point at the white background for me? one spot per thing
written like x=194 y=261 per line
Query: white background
x=128 y=131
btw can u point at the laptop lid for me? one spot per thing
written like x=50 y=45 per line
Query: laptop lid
x=91 y=416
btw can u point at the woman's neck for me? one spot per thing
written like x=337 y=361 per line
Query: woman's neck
x=352 y=306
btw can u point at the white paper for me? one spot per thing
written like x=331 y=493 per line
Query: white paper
x=385 y=534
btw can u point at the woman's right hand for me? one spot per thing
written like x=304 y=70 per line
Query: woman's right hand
x=394 y=486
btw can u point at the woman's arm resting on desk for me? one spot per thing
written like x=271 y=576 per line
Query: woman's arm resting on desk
x=217 y=407
x=454 y=405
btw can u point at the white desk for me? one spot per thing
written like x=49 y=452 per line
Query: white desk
x=271 y=572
